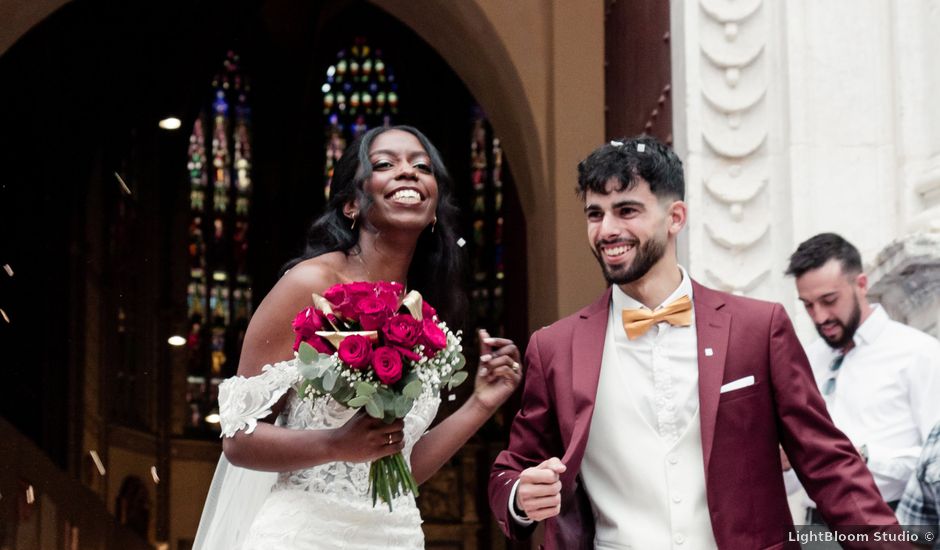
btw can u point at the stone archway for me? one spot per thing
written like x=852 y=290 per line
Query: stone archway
x=464 y=36
x=19 y=16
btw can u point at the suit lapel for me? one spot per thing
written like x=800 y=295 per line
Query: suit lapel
x=587 y=350
x=712 y=326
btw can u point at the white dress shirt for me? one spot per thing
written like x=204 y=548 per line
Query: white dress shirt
x=886 y=395
x=661 y=365
x=642 y=466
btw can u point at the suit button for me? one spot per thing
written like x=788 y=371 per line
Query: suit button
x=678 y=538
x=673 y=459
x=676 y=498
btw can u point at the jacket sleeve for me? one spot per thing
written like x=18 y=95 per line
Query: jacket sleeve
x=533 y=439
x=828 y=466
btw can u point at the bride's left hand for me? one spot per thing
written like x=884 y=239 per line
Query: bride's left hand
x=499 y=372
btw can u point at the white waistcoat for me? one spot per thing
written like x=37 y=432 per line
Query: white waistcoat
x=646 y=492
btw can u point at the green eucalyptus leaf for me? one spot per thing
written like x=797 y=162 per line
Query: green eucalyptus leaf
x=308 y=370
x=306 y=353
x=379 y=402
x=457 y=379
x=343 y=393
x=359 y=401
x=461 y=362
x=373 y=408
x=390 y=405
x=385 y=392
x=402 y=406
x=329 y=380
x=413 y=389
x=365 y=389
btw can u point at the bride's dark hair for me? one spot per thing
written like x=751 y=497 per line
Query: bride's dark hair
x=437 y=264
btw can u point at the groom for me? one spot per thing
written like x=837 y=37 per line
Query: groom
x=652 y=418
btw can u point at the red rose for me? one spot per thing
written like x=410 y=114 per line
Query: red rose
x=390 y=294
x=389 y=286
x=407 y=353
x=387 y=364
x=336 y=295
x=307 y=322
x=402 y=329
x=427 y=311
x=344 y=298
x=373 y=313
x=355 y=351
x=432 y=337
x=320 y=344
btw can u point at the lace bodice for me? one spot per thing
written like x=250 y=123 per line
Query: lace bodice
x=244 y=401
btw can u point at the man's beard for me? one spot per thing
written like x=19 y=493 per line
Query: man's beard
x=848 y=328
x=647 y=254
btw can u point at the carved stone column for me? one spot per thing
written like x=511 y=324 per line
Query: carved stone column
x=723 y=63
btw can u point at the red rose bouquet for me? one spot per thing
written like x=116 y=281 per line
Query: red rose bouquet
x=370 y=345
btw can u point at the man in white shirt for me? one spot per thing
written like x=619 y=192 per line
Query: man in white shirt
x=651 y=419
x=880 y=379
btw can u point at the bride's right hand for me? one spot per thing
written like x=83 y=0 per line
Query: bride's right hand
x=365 y=439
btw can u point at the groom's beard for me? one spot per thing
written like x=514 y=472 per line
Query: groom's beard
x=646 y=256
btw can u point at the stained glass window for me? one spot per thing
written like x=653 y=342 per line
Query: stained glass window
x=219 y=295
x=359 y=92
x=487 y=250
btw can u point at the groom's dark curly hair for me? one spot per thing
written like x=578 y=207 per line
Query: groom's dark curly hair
x=629 y=160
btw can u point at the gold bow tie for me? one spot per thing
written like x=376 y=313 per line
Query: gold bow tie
x=637 y=321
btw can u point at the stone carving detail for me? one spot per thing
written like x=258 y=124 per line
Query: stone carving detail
x=905 y=279
x=734 y=123
x=927 y=193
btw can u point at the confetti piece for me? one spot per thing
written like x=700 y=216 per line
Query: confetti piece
x=5 y=318
x=97 y=459
x=123 y=185
x=452 y=397
x=30 y=495
x=461 y=242
x=153 y=474
x=640 y=147
x=8 y=269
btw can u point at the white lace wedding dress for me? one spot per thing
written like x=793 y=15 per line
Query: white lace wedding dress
x=324 y=507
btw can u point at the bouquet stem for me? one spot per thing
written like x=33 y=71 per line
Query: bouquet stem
x=390 y=477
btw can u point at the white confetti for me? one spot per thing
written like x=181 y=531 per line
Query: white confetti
x=97 y=460
x=452 y=397
x=153 y=474
x=124 y=186
x=30 y=495
x=640 y=147
x=8 y=269
x=5 y=318
x=461 y=242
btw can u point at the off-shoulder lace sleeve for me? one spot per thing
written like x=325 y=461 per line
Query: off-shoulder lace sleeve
x=242 y=401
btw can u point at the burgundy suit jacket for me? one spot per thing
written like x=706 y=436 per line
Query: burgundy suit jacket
x=741 y=430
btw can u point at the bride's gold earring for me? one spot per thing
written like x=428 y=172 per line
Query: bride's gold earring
x=433 y=224
x=353 y=226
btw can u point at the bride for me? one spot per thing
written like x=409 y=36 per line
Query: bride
x=294 y=474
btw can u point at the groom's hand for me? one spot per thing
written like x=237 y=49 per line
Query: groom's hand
x=539 y=491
